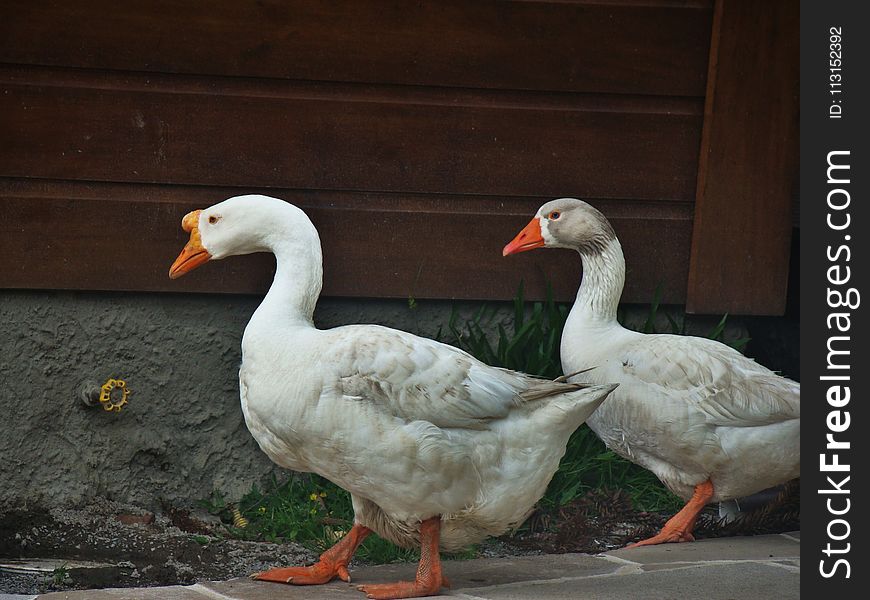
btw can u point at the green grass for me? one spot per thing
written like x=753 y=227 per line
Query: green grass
x=531 y=345
x=307 y=509
x=677 y=324
x=60 y=575
x=315 y=513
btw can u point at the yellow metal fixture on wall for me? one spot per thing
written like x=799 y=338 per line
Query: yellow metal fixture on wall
x=106 y=394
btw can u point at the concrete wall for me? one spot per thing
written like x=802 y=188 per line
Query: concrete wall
x=182 y=434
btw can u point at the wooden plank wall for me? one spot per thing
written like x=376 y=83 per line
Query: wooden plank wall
x=749 y=154
x=419 y=136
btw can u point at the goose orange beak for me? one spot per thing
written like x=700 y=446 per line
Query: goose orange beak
x=528 y=239
x=193 y=254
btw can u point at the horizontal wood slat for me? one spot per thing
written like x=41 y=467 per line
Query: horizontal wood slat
x=633 y=48
x=87 y=129
x=420 y=136
x=62 y=235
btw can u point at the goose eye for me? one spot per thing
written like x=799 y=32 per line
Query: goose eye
x=213 y=219
x=554 y=215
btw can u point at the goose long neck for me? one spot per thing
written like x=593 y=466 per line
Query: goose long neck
x=296 y=287
x=601 y=287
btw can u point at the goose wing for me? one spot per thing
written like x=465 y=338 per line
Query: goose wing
x=416 y=378
x=728 y=388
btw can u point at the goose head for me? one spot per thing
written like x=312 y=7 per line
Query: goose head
x=239 y=225
x=564 y=223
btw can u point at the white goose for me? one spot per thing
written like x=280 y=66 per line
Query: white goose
x=436 y=448
x=710 y=423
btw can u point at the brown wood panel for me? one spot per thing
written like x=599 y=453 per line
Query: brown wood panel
x=747 y=172
x=62 y=235
x=635 y=48
x=81 y=126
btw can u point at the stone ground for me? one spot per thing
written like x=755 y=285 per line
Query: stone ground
x=106 y=544
x=763 y=566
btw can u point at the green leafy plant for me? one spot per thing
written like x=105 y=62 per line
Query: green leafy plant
x=531 y=345
x=677 y=324
x=306 y=509
x=60 y=575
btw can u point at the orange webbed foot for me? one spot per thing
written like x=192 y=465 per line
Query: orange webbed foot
x=664 y=537
x=679 y=527
x=332 y=563
x=321 y=572
x=401 y=589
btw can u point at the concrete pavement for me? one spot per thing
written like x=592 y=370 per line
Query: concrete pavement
x=754 y=567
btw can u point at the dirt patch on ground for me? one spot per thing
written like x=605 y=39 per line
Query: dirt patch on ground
x=604 y=520
x=124 y=547
x=107 y=544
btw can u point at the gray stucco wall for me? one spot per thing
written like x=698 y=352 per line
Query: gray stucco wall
x=182 y=434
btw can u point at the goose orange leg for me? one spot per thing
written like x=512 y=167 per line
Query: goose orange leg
x=679 y=527
x=332 y=563
x=429 y=578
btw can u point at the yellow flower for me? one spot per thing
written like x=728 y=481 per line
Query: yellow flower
x=323 y=494
x=313 y=511
x=261 y=510
x=313 y=497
